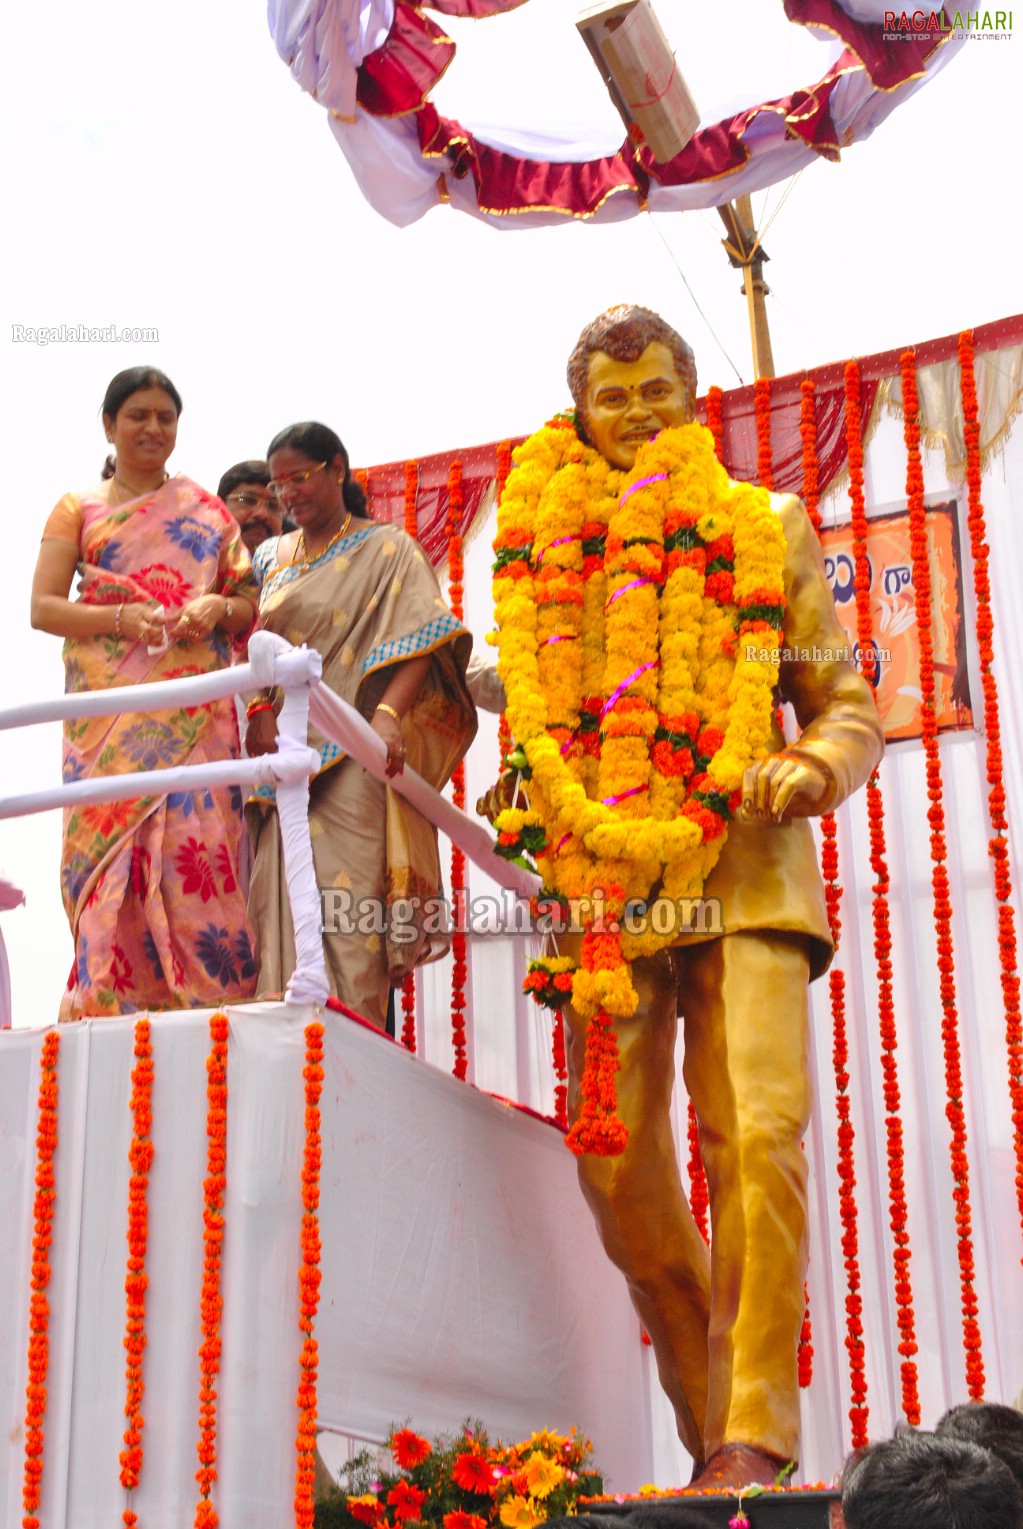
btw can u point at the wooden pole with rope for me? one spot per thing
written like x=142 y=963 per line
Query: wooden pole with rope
x=746 y=253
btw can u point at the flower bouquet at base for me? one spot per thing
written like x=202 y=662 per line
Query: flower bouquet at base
x=462 y=1481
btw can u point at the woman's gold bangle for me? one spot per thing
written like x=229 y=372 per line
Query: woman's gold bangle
x=383 y=706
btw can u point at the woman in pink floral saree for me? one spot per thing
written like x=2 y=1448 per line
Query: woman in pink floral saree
x=150 y=885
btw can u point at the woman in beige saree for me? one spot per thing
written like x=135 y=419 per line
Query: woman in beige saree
x=364 y=595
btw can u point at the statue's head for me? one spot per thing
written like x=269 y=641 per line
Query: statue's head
x=631 y=375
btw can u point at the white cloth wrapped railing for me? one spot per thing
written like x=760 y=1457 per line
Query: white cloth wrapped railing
x=272 y=662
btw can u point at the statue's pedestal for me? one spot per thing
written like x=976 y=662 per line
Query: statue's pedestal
x=792 y=1508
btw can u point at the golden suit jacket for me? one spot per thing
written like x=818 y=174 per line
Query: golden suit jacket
x=768 y=876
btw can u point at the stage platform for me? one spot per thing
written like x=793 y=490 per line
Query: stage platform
x=791 y=1508
x=461 y=1274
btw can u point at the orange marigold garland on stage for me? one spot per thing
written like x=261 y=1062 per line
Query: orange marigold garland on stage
x=715 y=424
x=858 y=1412
x=942 y=903
x=901 y=1253
x=638 y=619
x=211 y=1302
x=309 y=1279
x=39 y=1306
x=459 y=967
x=762 y=405
x=136 y=1280
x=408 y=987
x=998 y=845
x=811 y=498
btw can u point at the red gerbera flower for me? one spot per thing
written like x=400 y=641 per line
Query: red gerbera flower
x=406 y=1500
x=460 y=1520
x=473 y=1474
x=409 y=1448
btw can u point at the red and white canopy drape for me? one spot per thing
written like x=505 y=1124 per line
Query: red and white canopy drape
x=374 y=63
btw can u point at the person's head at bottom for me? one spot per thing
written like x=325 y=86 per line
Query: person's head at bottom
x=923 y=1481
x=992 y=1426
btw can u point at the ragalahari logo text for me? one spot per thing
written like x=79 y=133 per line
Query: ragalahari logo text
x=919 y=26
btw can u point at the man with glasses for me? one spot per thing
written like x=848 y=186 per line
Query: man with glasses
x=245 y=490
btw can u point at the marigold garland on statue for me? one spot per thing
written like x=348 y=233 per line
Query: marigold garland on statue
x=136 y=1280
x=309 y=1279
x=940 y=888
x=638 y=618
x=39 y=1306
x=211 y=1300
x=998 y=846
x=699 y=1195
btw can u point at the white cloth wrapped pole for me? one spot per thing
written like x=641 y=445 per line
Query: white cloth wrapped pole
x=293 y=666
x=309 y=980
x=344 y=725
x=121 y=788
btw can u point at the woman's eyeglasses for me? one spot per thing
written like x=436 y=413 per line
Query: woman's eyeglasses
x=293 y=479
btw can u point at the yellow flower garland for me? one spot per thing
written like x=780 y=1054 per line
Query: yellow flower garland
x=638 y=618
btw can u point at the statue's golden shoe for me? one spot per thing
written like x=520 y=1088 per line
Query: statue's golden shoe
x=734 y=1466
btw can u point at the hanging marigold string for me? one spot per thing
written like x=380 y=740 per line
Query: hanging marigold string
x=211 y=1301
x=459 y=969
x=504 y=462
x=309 y=1280
x=998 y=845
x=560 y=1070
x=715 y=424
x=858 y=1411
x=811 y=498
x=408 y=987
x=136 y=1280
x=699 y=1196
x=39 y=1306
x=942 y=904
x=762 y=404
x=898 y=1216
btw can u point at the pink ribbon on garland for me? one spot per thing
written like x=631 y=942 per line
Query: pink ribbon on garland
x=643 y=483
x=623 y=687
x=561 y=541
x=633 y=584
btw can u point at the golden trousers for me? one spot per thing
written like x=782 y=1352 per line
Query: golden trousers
x=724 y=1324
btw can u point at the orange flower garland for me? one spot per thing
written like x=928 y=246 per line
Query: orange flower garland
x=714 y=421
x=459 y=968
x=699 y=1195
x=504 y=462
x=211 y=1302
x=998 y=846
x=408 y=987
x=762 y=405
x=901 y=1254
x=136 y=1280
x=39 y=1306
x=560 y=1070
x=811 y=499
x=942 y=904
x=309 y=1279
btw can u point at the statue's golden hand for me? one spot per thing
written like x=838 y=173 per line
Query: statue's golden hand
x=786 y=785
x=501 y=795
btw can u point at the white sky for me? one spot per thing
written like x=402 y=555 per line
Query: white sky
x=164 y=170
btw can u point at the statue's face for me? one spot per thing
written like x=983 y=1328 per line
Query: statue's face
x=628 y=402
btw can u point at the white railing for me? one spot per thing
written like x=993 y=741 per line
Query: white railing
x=272 y=662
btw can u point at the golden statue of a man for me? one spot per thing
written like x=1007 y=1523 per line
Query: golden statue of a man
x=724 y=1321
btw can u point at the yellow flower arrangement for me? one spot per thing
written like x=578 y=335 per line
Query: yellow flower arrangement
x=638 y=617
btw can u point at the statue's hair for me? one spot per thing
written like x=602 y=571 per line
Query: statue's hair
x=623 y=333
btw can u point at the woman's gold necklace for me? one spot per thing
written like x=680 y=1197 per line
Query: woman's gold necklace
x=139 y=493
x=307 y=557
